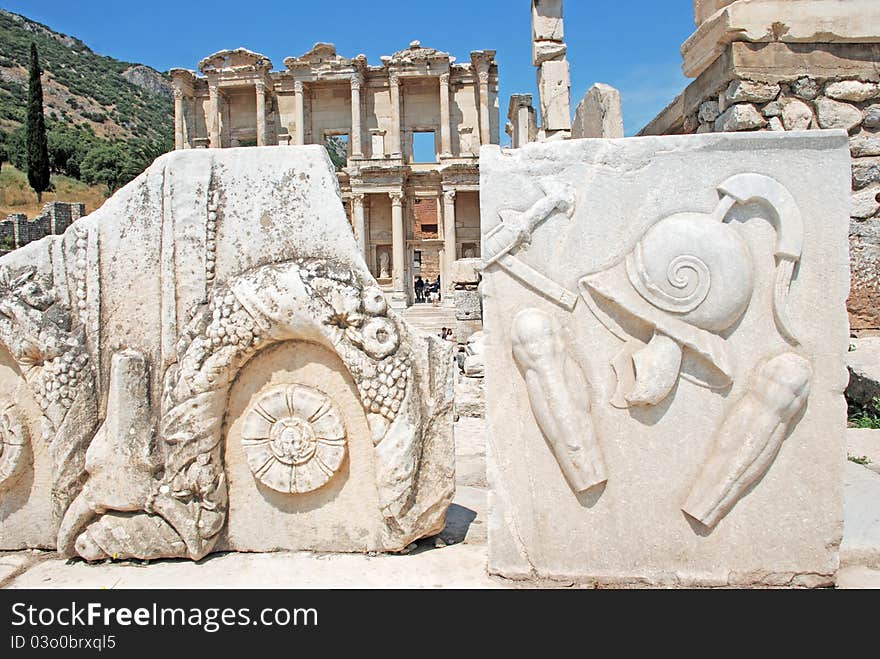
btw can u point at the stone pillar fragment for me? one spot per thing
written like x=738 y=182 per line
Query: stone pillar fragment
x=260 y=90
x=445 y=125
x=522 y=123
x=554 y=85
x=179 y=120
x=449 y=239
x=485 y=120
x=356 y=110
x=394 y=81
x=398 y=248
x=299 y=135
x=214 y=116
x=599 y=114
x=357 y=216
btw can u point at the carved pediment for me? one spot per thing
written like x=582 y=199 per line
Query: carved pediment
x=417 y=53
x=240 y=59
x=321 y=56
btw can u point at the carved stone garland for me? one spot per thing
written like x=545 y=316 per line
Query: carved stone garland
x=47 y=342
x=293 y=437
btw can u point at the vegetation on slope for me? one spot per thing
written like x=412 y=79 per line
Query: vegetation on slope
x=102 y=128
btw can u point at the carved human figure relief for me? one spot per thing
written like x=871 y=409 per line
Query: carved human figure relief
x=293 y=438
x=559 y=397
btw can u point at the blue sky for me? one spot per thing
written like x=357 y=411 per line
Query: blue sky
x=632 y=45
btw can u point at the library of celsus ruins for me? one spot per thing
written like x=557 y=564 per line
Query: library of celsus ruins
x=407 y=133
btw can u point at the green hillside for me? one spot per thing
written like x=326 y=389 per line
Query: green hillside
x=80 y=87
x=106 y=119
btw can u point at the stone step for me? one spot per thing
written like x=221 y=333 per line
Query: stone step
x=429 y=318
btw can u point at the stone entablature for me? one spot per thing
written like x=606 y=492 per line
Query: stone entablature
x=239 y=101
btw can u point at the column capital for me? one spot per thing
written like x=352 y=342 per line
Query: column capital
x=356 y=81
x=394 y=78
x=260 y=84
x=396 y=197
x=484 y=77
x=178 y=94
x=298 y=86
x=444 y=78
x=449 y=196
x=358 y=197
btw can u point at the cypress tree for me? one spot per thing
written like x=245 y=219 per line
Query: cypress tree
x=37 y=143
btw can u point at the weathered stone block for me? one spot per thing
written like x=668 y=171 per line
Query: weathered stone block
x=470 y=397
x=872 y=117
x=863 y=363
x=266 y=397
x=545 y=51
x=865 y=203
x=834 y=114
x=865 y=171
x=852 y=90
x=709 y=111
x=655 y=408
x=466 y=271
x=805 y=88
x=796 y=115
x=599 y=114
x=468 y=305
x=864 y=145
x=747 y=91
x=547 y=23
x=554 y=83
x=465 y=329
x=744 y=116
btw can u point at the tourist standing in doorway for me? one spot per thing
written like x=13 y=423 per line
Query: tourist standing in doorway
x=420 y=289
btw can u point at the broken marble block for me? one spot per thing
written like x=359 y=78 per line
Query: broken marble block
x=665 y=340
x=205 y=363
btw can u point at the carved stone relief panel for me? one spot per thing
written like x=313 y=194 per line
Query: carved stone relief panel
x=122 y=340
x=665 y=319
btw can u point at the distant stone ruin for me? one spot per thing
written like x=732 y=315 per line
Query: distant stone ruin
x=16 y=230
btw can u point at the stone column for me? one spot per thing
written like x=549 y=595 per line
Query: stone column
x=485 y=127
x=449 y=242
x=179 y=120
x=299 y=137
x=357 y=219
x=214 y=116
x=356 y=147
x=398 y=249
x=394 y=81
x=260 y=88
x=445 y=125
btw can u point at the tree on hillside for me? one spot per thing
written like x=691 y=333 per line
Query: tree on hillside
x=3 y=156
x=37 y=144
x=106 y=163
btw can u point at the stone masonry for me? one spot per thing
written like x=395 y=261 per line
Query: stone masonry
x=768 y=65
x=16 y=230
